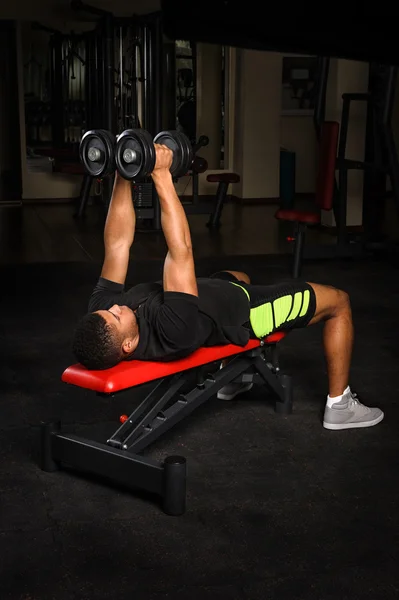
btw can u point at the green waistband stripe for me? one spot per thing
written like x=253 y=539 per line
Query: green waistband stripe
x=240 y=286
x=282 y=307
x=296 y=307
x=305 y=303
x=262 y=320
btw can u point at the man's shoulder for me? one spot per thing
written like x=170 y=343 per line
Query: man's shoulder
x=148 y=287
x=209 y=283
x=141 y=293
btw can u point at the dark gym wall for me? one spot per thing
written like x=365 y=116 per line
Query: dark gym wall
x=10 y=157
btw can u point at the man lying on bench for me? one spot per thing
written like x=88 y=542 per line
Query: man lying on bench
x=168 y=320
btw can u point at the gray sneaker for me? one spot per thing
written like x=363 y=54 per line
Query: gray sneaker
x=350 y=413
x=231 y=390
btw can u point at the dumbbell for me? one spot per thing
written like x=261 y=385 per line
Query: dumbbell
x=135 y=153
x=183 y=151
x=135 y=157
x=97 y=152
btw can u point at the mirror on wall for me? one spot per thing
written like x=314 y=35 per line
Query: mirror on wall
x=201 y=97
x=37 y=89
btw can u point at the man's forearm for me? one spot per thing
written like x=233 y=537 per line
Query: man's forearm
x=173 y=216
x=121 y=218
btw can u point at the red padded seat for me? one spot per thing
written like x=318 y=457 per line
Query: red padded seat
x=298 y=216
x=128 y=374
x=325 y=183
x=223 y=178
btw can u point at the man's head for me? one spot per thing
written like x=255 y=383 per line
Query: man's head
x=104 y=338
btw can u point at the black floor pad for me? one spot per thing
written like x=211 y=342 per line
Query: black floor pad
x=278 y=507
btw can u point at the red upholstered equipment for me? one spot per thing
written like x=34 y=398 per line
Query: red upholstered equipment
x=128 y=374
x=325 y=178
x=223 y=178
x=298 y=216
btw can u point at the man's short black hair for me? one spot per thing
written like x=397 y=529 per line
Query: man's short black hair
x=95 y=345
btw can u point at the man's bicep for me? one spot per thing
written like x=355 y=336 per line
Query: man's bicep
x=179 y=274
x=116 y=262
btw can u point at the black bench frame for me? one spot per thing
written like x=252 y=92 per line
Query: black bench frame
x=118 y=460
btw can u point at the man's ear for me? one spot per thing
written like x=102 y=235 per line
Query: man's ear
x=128 y=345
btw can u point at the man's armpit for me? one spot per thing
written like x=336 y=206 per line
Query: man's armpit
x=105 y=294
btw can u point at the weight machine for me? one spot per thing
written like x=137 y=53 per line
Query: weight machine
x=379 y=161
x=119 y=76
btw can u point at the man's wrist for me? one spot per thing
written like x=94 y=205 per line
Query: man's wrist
x=162 y=176
x=120 y=179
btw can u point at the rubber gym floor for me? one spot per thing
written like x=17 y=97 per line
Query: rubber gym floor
x=277 y=506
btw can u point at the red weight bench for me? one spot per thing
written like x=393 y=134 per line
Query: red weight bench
x=118 y=459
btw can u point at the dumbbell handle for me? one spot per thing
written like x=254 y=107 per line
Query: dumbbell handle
x=95 y=154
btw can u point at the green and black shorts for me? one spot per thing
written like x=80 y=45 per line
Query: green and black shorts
x=277 y=307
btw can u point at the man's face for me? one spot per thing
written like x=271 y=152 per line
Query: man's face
x=123 y=321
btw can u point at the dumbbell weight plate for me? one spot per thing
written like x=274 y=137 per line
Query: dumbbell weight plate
x=199 y=164
x=96 y=151
x=135 y=153
x=182 y=151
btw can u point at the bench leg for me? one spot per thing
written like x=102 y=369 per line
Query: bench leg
x=167 y=480
x=174 y=493
x=280 y=383
x=46 y=453
x=283 y=405
x=298 y=250
x=214 y=221
x=83 y=196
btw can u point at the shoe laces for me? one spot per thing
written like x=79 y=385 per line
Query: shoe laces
x=354 y=401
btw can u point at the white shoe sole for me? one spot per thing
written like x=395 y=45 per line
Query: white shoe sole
x=222 y=396
x=336 y=426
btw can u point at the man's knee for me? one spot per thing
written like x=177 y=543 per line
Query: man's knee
x=330 y=302
x=343 y=300
x=340 y=304
x=241 y=276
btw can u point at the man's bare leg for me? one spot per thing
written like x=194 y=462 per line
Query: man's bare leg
x=333 y=307
x=343 y=410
